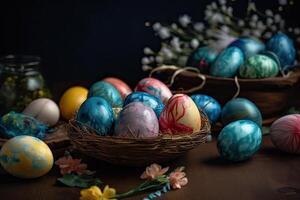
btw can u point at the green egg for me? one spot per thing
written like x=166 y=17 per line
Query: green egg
x=259 y=66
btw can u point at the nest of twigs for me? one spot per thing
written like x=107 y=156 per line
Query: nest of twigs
x=135 y=151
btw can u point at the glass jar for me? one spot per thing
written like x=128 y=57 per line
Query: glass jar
x=20 y=82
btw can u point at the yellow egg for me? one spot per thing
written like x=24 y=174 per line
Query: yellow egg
x=26 y=157
x=71 y=100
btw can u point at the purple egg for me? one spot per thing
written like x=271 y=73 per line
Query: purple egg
x=137 y=121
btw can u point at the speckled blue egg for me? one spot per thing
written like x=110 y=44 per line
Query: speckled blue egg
x=147 y=99
x=106 y=91
x=209 y=105
x=239 y=140
x=240 y=109
x=249 y=47
x=227 y=63
x=202 y=58
x=96 y=113
x=284 y=48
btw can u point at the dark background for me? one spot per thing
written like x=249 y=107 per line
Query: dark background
x=88 y=40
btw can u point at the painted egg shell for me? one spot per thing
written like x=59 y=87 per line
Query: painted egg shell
x=106 y=91
x=180 y=116
x=44 y=110
x=239 y=140
x=147 y=99
x=284 y=48
x=209 y=105
x=120 y=85
x=71 y=100
x=96 y=113
x=249 y=47
x=26 y=157
x=238 y=109
x=259 y=66
x=227 y=63
x=202 y=58
x=154 y=87
x=138 y=121
x=285 y=133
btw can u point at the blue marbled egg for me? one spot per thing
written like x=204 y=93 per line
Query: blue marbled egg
x=239 y=140
x=106 y=91
x=202 y=58
x=147 y=99
x=227 y=63
x=97 y=113
x=284 y=48
x=209 y=105
x=238 y=109
x=250 y=47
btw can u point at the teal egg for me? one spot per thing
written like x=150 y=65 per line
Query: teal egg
x=106 y=91
x=259 y=66
x=249 y=46
x=239 y=140
x=227 y=63
x=240 y=109
x=96 y=113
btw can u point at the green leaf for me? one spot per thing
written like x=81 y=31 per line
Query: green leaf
x=81 y=181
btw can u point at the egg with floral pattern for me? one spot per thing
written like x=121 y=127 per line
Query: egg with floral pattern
x=239 y=140
x=120 y=85
x=180 y=116
x=154 y=87
x=26 y=157
x=249 y=46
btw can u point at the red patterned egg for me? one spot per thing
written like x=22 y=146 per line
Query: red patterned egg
x=180 y=116
x=285 y=133
x=154 y=87
x=120 y=85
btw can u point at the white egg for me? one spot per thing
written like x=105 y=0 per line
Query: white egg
x=43 y=109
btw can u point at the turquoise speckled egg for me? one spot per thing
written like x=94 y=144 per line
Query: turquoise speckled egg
x=227 y=63
x=106 y=91
x=249 y=46
x=239 y=140
x=259 y=66
x=284 y=48
x=238 y=109
x=96 y=113
x=147 y=99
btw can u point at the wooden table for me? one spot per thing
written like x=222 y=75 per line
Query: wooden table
x=271 y=174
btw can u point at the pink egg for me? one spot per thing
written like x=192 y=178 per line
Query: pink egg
x=138 y=121
x=154 y=87
x=180 y=116
x=285 y=133
x=120 y=85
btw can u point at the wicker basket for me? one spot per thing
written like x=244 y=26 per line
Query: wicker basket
x=134 y=151
x=273 y=96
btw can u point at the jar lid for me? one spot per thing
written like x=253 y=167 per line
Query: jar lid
x=19 y=63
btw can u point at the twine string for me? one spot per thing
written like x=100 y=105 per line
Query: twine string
x=237 y=84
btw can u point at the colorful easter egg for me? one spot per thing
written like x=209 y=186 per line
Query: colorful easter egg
x=180 y=116
x=96 y=113
x=26 y=157
x=285 y=133
x=259 y=66
x=106 y=91
x=284 y=48
x=239 y=140
x=120 y=85
x=138 y=121
x=154 y=87
x=202 y=58
x=147 y=99
x=227 y=63
x=71 y=100
x=44 y=110
x=238 y=109
x=209 y=105
x=249 y=46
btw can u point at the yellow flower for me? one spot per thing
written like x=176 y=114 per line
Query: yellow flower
x=95 y=193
